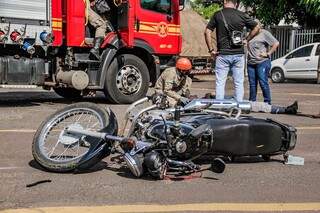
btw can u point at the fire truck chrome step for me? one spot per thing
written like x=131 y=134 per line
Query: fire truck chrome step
x=84 y=58
x=5 y=86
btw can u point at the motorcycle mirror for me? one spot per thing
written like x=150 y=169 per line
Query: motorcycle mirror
x=218 y=166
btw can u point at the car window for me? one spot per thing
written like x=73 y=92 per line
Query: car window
x=302 y=52
x=161 y=6
x=318 y=50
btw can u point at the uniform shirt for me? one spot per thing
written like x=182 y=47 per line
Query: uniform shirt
x=260 y=44
x=236 y=21
x=171 y=83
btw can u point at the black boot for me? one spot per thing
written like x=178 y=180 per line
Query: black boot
x=95 y=51
x=109 y=27
x=292 y=109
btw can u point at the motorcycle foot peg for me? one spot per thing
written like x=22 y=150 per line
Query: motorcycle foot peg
x=218 y=166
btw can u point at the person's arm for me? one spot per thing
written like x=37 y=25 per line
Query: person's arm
x=209 y=42
x=186 y=87
x=208 y=36
x=168 y=82
x=272 y=42
x=252 y=25
x=169 y=91
x=253 y=32
x=271 y=50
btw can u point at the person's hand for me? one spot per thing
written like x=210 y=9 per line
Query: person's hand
x=192 y=97
x=184 y=101
x=245 y=42
x=214 y=54
x=264 y=55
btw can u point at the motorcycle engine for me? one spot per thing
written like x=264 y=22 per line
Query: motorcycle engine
x=182 y=146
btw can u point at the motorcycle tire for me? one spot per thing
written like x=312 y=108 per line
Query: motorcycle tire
x=45 y=159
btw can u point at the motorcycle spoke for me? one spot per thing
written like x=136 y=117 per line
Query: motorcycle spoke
x=54 y=148
x=94 y=125
x=62 y=154
x=89 y=122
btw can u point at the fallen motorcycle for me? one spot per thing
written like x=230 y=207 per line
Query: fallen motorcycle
x=159 y=139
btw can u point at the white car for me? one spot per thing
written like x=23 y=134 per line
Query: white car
x=301 y=63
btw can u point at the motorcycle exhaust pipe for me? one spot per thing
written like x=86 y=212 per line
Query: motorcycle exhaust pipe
x=217 y=104
x=75 y=78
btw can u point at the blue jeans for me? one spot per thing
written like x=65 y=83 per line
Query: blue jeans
x=225 y=63
x=259 y=73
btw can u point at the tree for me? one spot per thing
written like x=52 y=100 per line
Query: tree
x=312 y=6
x=206 y=8
x=271 y=12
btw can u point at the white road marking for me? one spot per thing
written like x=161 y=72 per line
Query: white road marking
x=10 y=168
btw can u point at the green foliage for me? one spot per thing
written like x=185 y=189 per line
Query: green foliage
x=204 y=11
x=271 y=12
x=312 y=6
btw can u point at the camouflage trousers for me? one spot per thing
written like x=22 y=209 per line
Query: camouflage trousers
x=97 y=22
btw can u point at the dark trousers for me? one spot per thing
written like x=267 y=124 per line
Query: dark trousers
x=259 y=73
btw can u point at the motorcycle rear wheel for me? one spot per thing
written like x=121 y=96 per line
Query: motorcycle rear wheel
x=84 y=115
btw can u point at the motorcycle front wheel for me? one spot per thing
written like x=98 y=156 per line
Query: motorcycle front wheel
x=57 y=151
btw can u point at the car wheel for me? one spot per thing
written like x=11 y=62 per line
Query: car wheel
x=277 y=75
x=127 y=80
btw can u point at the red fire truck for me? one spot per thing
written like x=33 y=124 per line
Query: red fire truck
x=46 y=43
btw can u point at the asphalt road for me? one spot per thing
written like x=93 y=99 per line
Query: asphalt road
x=246 y=181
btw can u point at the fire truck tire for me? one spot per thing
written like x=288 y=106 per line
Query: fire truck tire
x=68 y=93
x=127 y=79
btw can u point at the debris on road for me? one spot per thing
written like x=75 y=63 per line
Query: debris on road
x=294 y=160
x=38 y=182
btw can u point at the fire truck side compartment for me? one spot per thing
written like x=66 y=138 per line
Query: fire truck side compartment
x=22 y=71
x=25 y=9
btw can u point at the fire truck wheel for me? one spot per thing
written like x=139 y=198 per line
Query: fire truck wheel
x=68 y=93
x=127 y=79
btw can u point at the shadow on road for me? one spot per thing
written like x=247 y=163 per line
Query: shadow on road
x=97 y=167
x=27 y=99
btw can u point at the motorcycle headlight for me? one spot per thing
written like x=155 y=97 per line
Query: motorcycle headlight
x=134 y=162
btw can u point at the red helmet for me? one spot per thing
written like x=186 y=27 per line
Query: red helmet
x=183 y=64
